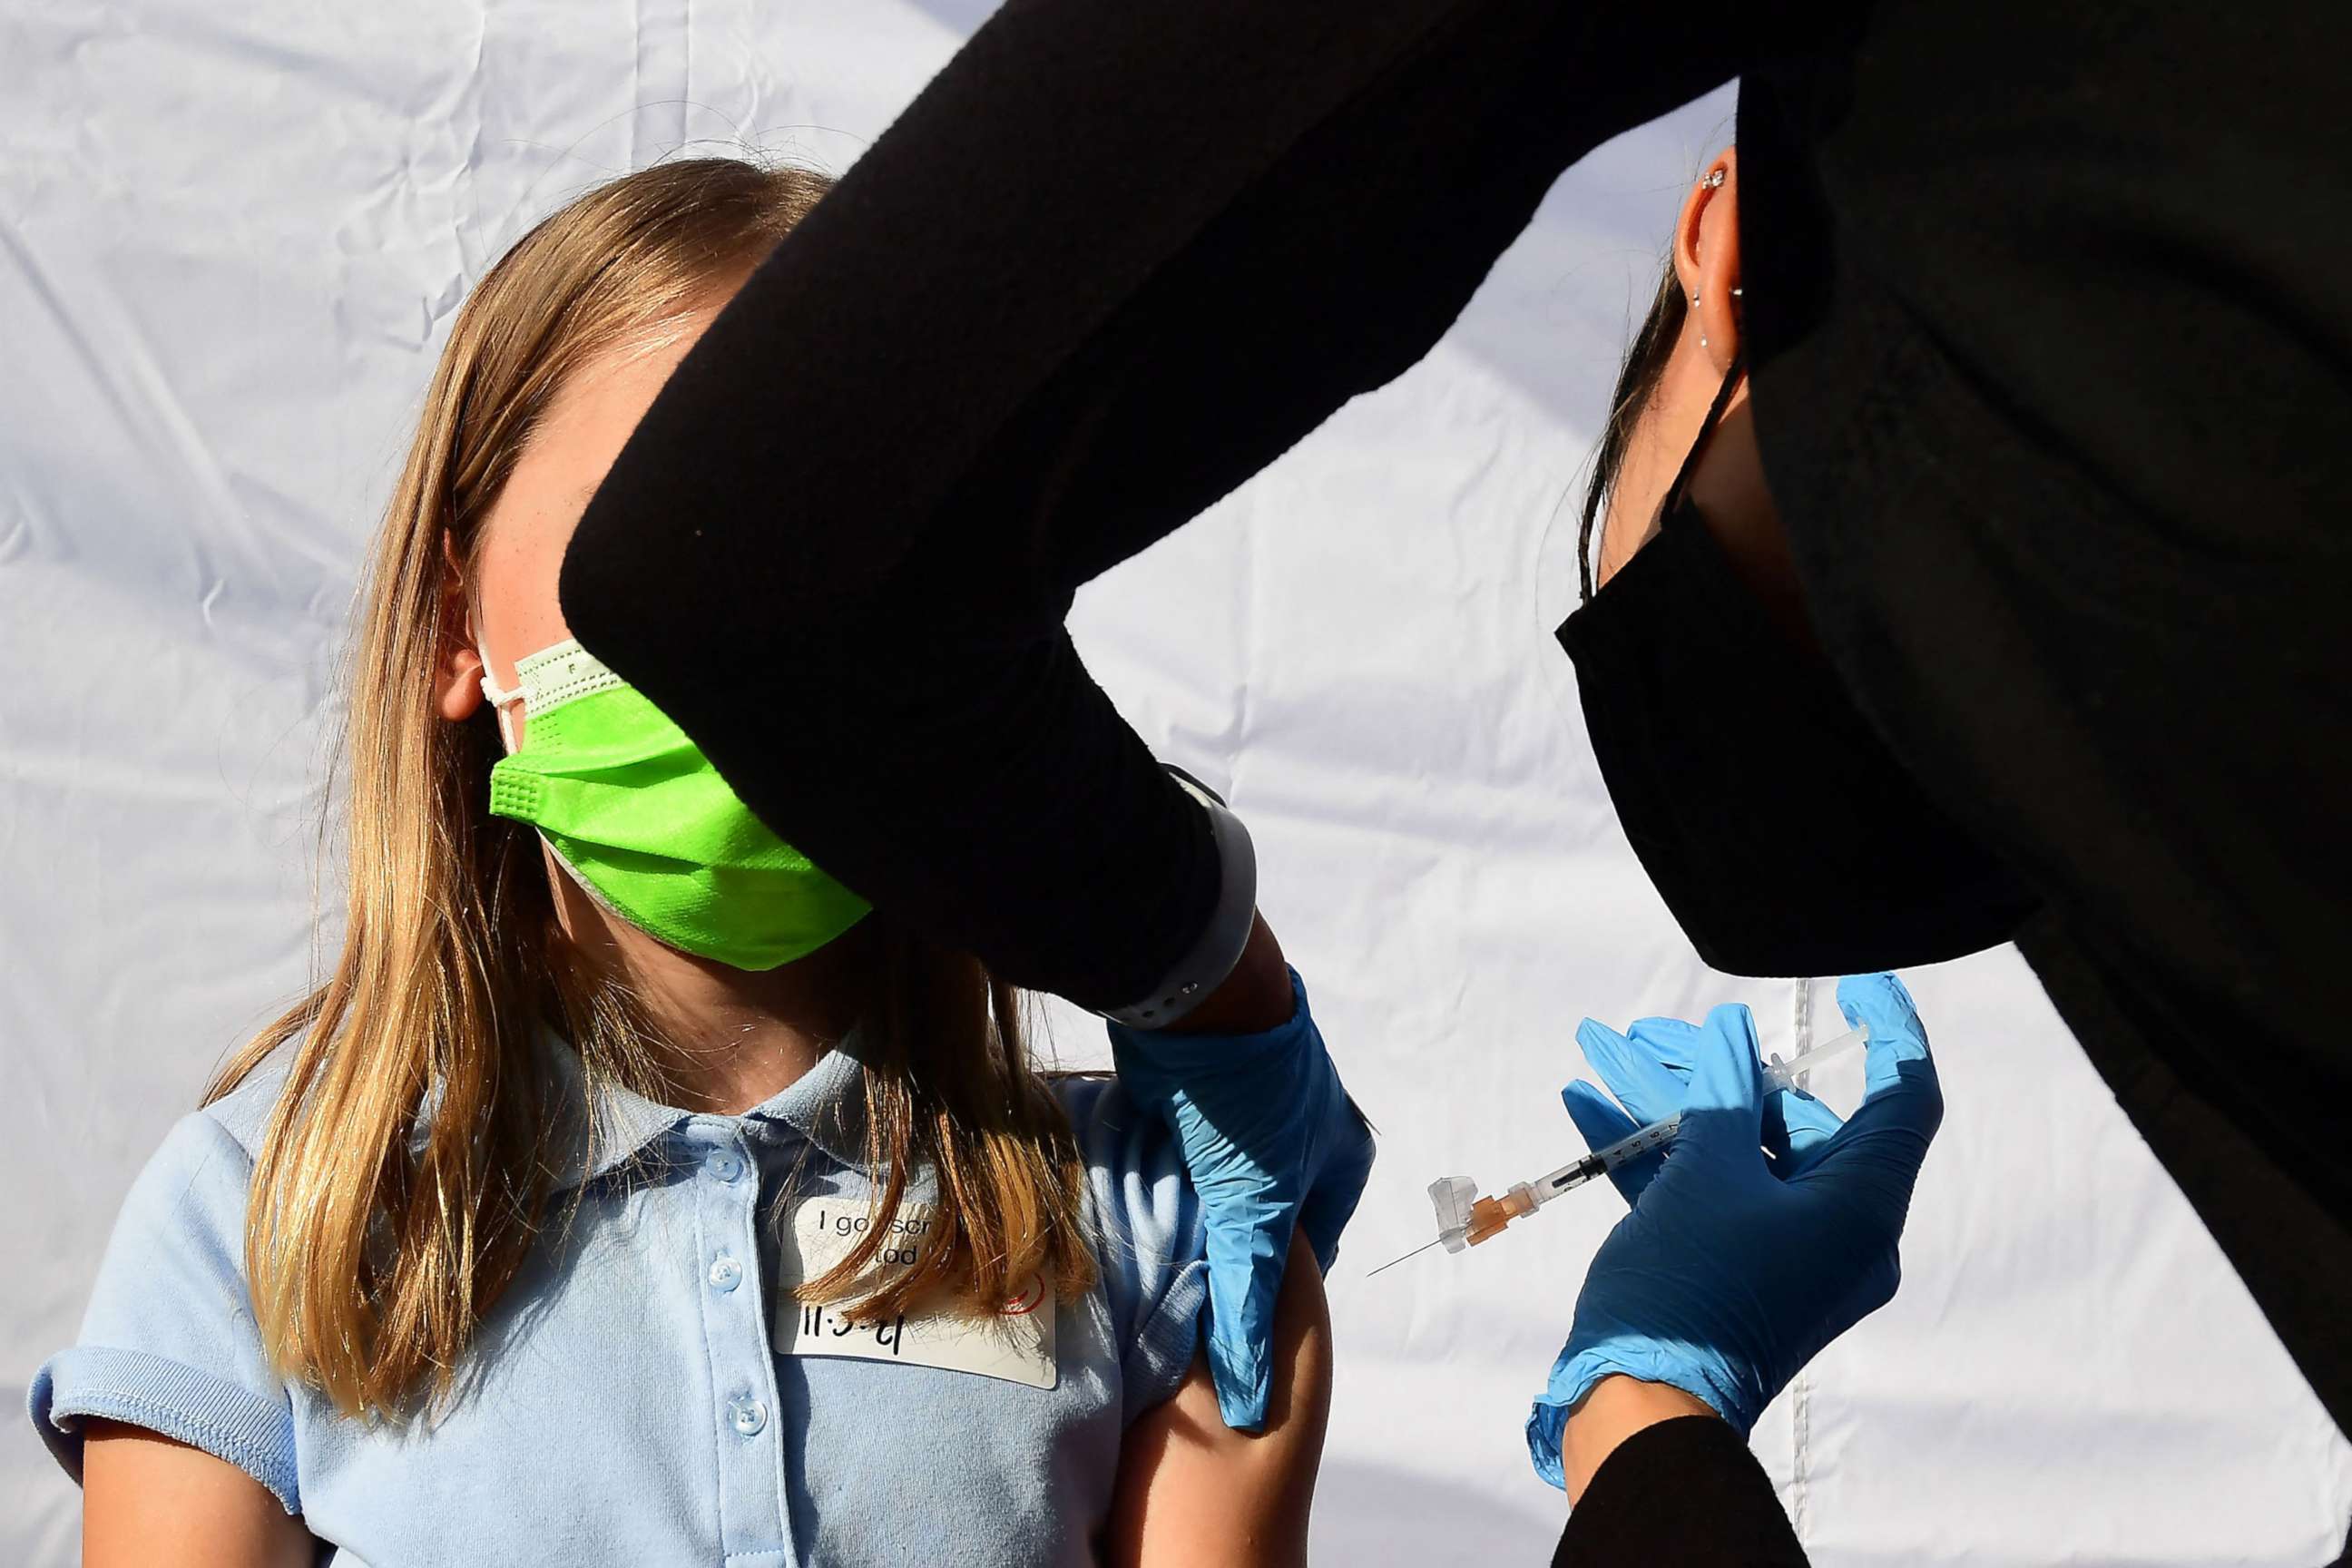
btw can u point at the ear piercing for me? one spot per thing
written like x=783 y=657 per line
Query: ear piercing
x=1737 y=293
x=1710 y=180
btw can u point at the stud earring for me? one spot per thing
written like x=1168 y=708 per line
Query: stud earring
x=1711 y=180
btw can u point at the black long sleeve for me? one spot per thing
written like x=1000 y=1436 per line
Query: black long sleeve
x=2052 y=373
x=1685 y=1491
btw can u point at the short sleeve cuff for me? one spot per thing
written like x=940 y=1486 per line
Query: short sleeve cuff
x=1165 y=1344
x=164 y=1396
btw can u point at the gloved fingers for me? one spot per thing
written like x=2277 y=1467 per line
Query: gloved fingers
x=1797 y=1127
x=1872 y=1164
x=1598 y=1118
x=1647 y=1089
x=1902 y=1087
x=1881 y=1003
x=1248 y=1244
x=1671 y=1042
x=1876 y=1156
x=1723 y=1116
x=1259 y=1093
x=1336 y=1187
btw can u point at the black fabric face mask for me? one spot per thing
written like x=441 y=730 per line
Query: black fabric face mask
x=1782 y=833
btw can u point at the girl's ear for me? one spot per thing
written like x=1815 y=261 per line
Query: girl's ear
x=456 y=665
x=1707 y=259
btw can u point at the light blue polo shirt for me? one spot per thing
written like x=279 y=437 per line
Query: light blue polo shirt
x=623 y=1405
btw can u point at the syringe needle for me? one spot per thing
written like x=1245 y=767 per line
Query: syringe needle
x=1416 y=1252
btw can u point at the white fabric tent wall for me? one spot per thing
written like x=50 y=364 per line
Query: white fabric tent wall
x=231 y=239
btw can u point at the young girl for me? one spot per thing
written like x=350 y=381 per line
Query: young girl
x=629 y=1194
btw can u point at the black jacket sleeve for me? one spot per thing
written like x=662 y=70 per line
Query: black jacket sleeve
x=1113 y=260
x=1685 y=1491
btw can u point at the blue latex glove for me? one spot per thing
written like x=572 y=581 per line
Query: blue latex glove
x=1272 y=1144
x=1764 y=1232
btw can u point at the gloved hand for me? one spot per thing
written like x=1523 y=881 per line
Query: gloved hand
x=1764 y=1232
x=1272 y=1143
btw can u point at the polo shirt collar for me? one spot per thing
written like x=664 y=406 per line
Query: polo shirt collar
x=826 y=1106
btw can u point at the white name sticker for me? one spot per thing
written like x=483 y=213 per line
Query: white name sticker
x=1016 y=1344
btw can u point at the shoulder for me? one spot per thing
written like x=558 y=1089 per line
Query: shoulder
x=1106 y=1121
x=1148 y=1238
x=191 y=1197
x=173 y=1267
x=243 y=1113
x=1135 y=1170
x=194 y=1187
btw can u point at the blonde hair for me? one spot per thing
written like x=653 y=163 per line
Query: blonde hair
x=407 y=1168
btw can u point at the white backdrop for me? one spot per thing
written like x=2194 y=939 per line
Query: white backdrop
x=231 y=238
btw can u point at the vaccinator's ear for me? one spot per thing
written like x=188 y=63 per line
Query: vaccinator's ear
x=456 y=664
x=1706 y=257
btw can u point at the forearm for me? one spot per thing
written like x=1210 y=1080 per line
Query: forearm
x=1252 y=999
x=1615 y=1410
x=1000 y=807
x=1682 y=1490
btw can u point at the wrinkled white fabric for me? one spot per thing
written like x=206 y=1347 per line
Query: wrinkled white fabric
x=231 y=239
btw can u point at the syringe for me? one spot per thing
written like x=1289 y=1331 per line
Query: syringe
x=1465 y=1219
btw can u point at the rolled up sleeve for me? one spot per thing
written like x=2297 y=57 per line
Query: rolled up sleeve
x=169 y=1343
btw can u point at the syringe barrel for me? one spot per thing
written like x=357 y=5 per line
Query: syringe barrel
x=1635 y=1144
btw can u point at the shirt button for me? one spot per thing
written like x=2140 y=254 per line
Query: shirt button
x=726 y=1273
x=749 y=1417
x=725 y=1164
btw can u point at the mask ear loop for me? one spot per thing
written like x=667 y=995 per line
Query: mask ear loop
x=1690 y=459
x=500 y=697
x=1682 y=475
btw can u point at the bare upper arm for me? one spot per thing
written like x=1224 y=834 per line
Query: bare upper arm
x=157 y=1502
x=1192 y=1490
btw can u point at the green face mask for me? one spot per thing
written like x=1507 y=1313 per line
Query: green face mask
x=643 y=821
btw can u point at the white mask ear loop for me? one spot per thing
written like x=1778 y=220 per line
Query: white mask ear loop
x=499 y=698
